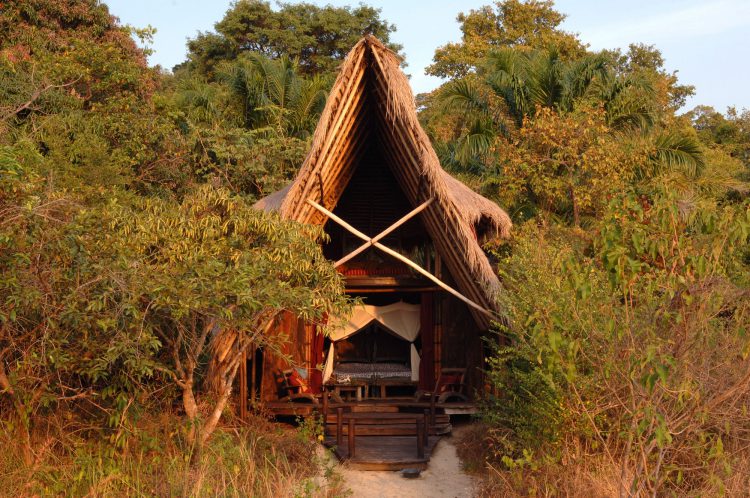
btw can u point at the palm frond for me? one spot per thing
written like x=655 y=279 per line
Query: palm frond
x=463 y=95
x=475 y=144
x=674 y=150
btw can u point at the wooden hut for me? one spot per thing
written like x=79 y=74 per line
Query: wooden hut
x=404 y=233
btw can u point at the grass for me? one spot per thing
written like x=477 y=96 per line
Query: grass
x=259 y=459
x=575 y=471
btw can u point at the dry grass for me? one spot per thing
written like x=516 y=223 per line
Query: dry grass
x=576 y=472
x=260 y=459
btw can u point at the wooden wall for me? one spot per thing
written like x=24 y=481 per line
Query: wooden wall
x=294 y=340
x=461 y=344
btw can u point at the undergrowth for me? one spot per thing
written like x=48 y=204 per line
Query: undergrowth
x=258 y=459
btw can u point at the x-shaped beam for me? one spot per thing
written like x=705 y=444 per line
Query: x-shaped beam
x=370 y=241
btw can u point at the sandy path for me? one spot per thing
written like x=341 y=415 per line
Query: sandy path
x=442 y=479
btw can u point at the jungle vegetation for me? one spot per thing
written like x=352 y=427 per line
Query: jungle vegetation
x=127 y=236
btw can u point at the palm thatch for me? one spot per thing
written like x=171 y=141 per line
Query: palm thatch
x=372 y=100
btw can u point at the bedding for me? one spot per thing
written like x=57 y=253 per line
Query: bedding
x=371 y=371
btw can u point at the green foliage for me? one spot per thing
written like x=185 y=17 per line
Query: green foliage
x=318 y=37
x=124 y=253
x=250 y=129
x=633 y=328
x=526 y=413
x=511 y=23
x=273 y=95
x=626 y=280
x=730 y=132
x=545 y=133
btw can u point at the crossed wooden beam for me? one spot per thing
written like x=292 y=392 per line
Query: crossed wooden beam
x=375 y=242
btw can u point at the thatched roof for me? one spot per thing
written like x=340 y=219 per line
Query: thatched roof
x=485 y=216
x=372 y=100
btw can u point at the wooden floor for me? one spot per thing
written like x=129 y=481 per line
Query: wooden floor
x=384 y=452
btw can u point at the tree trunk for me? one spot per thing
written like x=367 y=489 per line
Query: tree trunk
x=213 y=420
x=574 y=201
x=223 y=348
x=191 y=410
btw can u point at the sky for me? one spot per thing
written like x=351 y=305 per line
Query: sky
x=706 y=41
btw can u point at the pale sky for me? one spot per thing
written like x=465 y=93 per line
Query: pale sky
x=707 y=41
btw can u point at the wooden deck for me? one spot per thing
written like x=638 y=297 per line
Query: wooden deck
x=386 y=435
x=384 y=452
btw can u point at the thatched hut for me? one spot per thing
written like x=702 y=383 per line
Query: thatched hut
x=404 y=233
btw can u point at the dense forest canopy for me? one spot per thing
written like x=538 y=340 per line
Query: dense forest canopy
x=127 y=239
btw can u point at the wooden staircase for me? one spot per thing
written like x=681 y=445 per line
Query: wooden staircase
x=383 y=435
x=441 y=425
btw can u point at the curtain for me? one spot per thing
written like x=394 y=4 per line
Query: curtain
x=400 y=318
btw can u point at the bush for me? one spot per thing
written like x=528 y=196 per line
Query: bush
x=257 y=459
x=630 y=349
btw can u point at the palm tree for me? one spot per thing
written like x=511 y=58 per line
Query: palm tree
x=202 y=102
x=514 y=83
x=274 y=97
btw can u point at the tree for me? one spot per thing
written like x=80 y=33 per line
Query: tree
x=646 y=62
x=568 y=164
x=273 y=95
x=208 y=267
x=730 y=132
x=530 y=24
x=250 y=128
x=512 y=85
x=560 y=135
x=319 y=37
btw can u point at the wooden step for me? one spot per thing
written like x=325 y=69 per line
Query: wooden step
x=386 y=430
x=439 y=419
x=377 y=430
x=374 y=408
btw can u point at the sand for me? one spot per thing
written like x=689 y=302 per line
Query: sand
x=443 y=478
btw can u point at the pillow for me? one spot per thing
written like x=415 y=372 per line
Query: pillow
x=449 y=381
x=295 y=380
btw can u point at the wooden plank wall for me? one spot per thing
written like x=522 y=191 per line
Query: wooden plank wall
x=293 y=335
x=460 y=339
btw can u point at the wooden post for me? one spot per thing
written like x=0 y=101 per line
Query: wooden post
x=438 y=305
x=339 y=425
x=325 y=409
x=432 y=408
x=243 y=387
x=420 y=437
x=429 y=423
x=351 y=437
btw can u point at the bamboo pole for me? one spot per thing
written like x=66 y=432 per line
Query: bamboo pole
x=350 y=126
x=399 y=257
x=385 y=232
x=254 y=384
x=337 y=151
x=337 y=119
x=406 y=157
x=341 y=172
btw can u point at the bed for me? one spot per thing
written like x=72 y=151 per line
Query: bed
x=371 y=371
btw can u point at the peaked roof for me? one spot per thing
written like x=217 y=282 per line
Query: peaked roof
x=372 y=100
